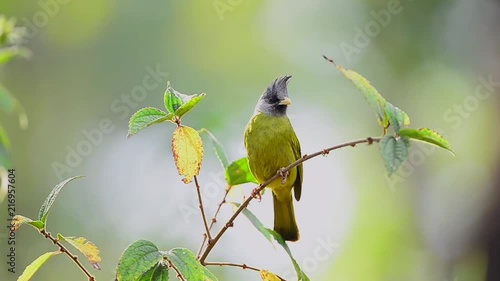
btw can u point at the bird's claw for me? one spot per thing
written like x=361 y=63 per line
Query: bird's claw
x=256 y=194
x=284 y=175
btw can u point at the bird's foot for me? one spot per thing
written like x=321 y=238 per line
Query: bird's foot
x=284 y=175
x=256 y=194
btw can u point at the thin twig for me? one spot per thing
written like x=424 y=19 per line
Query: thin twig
x=207 y=231
x=244 y=266
x=63 y=249
x=179 y=274
x=260 y=187
x=214 y=220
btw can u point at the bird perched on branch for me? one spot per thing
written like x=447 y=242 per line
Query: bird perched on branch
x=271 y=145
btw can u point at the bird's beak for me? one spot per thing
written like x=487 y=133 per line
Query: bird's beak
x=285 y=101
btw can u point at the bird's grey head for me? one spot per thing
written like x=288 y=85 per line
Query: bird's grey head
x=274 y=100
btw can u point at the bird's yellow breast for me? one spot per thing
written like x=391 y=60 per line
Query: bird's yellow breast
x=269 y=141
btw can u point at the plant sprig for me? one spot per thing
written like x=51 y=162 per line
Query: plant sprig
x=188 y=155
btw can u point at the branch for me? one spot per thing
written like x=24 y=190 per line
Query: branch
x=244 y=266
x=214 y=220
x=63 y=249
x=207 y=230
x=179 y=274
x=279 y=173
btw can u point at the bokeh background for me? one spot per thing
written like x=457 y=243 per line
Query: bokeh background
x=435 y=219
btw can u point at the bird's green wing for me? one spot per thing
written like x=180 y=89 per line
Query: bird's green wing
x=297 y=185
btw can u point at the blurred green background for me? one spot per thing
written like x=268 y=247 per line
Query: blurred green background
x=433 y=220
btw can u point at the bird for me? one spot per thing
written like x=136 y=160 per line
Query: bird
x=271 y=145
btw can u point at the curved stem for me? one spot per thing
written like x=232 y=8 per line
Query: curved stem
x=260 y=187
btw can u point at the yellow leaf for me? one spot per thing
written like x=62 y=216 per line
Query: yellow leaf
x=269 y=276
x=187 y=148
x=87 y=248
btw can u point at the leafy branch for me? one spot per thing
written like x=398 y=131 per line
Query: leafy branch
x=87 y=248
x=63 y=249
x=141 y=259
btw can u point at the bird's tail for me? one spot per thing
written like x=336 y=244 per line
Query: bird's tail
x=284 y=219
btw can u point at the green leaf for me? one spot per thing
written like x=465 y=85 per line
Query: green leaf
x=396 y=117
x=189 y=103
x=371 y=95
x=156 y=273
x=428 y=136
x=19 y=220
x=4 y=157
x=31 y=269
x=187 y=264
x=178 y=103
x=7 y=54
x=256 y=222
x=44 y=210
x=239 y=172
x=87 y=248
x=137 y=260
x=394 y=152
x=7 y=101
x=268 y=233
x=172 y=99
x=146 y=117
x=300 y=274
x=4 y=138
x=8 y=104
x=219 y=149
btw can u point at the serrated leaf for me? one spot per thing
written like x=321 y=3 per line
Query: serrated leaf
x=256 y=222
x=269 y=276
x=189 y=104
x=187 y=148
x=268 y=233
x=31 y=269
x=371 y=95
x=238 y=172
x=86 y=247
x=428 y=136
x=156 y=273
x=187 y=264
x=146 y=117
x=172 y=99
x=219 y=149
x=394 y=152
x=19 y=220
x=396 y=117
x=44 y=210
x=137 y=259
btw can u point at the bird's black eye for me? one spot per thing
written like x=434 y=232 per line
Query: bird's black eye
x=273 y=99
